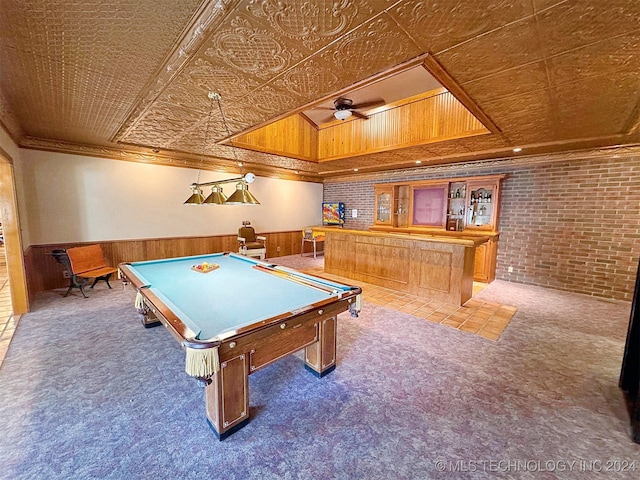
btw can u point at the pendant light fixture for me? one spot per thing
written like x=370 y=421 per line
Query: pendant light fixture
x=241 y=196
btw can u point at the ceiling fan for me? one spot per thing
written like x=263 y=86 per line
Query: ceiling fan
x=344 y=107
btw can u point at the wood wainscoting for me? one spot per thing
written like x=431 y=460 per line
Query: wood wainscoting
x=44 y=273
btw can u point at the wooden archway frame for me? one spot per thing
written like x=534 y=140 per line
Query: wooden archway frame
x=12 y=237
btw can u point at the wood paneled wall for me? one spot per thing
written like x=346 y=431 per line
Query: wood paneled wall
x=44 y=273
x=432 y=118
x=292 y=136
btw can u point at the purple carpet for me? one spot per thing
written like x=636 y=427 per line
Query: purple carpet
x=86 y=392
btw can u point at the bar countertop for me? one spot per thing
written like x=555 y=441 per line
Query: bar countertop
x=459 y=239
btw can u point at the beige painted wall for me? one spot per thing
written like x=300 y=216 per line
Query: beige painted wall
x=73 y=198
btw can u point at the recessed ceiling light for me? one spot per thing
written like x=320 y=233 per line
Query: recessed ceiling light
x=517 y=149
x=418 y=161
x=355 y=169
x=239 y=164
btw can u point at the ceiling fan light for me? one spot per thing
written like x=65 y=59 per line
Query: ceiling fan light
x=342 y=114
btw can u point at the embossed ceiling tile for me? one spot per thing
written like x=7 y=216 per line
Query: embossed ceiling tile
x=597 y=103
x=90 y=59
x=163 y=122
x=265 y=159
x=314 y=24
x=246 y=45
x=310 y=80
x=483 y=142
x=512 y=46
x=530 y=109
x=229 y=82
x=528 y=78
x=372 y=48
x=270 y=101
x=619 y=56
x=9 y=119
x=582 y=22
x=251 y=159
x=438 y=25
x=185 y=96
x=196 y=143
x=540 y=5
x=241 y=116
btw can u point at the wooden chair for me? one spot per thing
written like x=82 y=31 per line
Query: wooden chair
x=85 y=263
x=251 y=245
x=308 y=235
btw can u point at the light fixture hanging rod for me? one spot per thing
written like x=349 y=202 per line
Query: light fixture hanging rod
x=247 y=178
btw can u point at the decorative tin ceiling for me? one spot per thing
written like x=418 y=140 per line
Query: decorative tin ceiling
x=120 y=78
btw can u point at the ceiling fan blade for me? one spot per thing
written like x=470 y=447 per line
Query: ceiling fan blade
x=359 y=115
x=328 y=119
x=369 y=104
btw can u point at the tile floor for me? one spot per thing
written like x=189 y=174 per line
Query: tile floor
x=476 y=316
x=7 y=321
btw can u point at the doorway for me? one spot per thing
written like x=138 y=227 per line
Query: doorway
x=11 y=237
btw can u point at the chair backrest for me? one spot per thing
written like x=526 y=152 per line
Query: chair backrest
x=248 y=233
x=84 y=259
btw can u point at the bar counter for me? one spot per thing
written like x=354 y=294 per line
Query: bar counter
x=436 y=267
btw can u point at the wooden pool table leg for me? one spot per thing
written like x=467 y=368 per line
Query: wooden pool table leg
x=227 y=397
x=320 y=357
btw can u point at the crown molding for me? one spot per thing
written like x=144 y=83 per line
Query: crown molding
x=304 y=173
x=606 y=153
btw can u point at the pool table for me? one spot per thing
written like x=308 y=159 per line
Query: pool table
x=234 y=315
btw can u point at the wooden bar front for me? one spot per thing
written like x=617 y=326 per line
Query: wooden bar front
x=439 y=268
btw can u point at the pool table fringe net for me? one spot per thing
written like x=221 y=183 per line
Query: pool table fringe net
x=200 y=362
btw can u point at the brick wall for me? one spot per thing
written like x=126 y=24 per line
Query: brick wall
x=571 y=224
